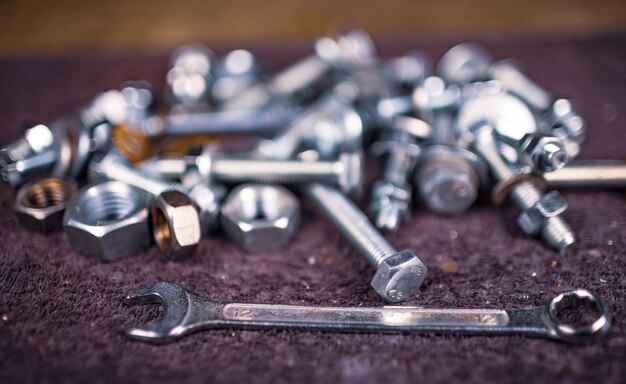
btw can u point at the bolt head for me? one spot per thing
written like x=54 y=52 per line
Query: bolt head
x=351 y=179
x=399 y=276
x=448 y=190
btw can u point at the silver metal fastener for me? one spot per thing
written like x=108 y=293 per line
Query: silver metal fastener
x=524 y=193
x=398 y=274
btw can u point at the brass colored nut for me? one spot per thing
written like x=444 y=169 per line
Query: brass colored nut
x=108 y=220
x=175 y=224
x=40 y=204
x=260 y=217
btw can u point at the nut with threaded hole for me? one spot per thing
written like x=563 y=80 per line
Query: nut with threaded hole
x=108 y=220
x=40 y=204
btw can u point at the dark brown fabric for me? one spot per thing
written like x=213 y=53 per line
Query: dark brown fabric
x=61 y=314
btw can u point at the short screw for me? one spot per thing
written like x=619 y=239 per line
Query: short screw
x=524 y=193
x=398 y=274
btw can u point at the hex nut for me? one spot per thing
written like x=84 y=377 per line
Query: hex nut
x=399 y=276
x=40 y=205
x=532 y=220
x=542 y=152
x=175 y=224
x=108 y=220
x=260 y=217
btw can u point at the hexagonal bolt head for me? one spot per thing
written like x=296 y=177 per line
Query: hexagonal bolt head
x=532 y=220
x=399 y=276
x=542 y=152
x=175 y=225
x=40 y=205
x=207 y=198
x=108 y=220
x=260 y=217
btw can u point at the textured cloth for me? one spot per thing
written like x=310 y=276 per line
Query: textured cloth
x=61 y=314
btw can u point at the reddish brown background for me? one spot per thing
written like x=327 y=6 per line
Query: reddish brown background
x=61 y=313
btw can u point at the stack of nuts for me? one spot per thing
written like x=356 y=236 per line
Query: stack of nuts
x=118 y=176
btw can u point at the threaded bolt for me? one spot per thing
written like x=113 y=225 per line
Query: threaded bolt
x=346 y=172
x=398 y=274
x=525 y=195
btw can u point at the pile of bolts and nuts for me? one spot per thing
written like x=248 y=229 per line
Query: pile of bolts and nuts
x=445 y=133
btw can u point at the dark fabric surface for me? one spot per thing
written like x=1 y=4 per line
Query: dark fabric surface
x=61 y=314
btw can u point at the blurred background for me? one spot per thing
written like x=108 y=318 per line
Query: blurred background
x=69 y=26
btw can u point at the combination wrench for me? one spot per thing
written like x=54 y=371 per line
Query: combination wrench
x=186 y=312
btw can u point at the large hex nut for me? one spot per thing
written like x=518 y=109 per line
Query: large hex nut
x=532 y=220
x=260 y=217
x=175 y=224
x=40 y=205
x=108 y=220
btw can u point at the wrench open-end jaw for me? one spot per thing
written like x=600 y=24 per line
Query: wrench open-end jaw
x=184 y=312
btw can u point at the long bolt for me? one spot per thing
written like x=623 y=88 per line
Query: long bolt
x=398 y=274
x=525 y=194
x=345 y=173
x=589 y=174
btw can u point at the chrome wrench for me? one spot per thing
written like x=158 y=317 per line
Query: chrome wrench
x=186 y=312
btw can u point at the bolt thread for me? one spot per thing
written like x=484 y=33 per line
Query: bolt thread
x=486 y=145
x=557 y=233
x=351 y=222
